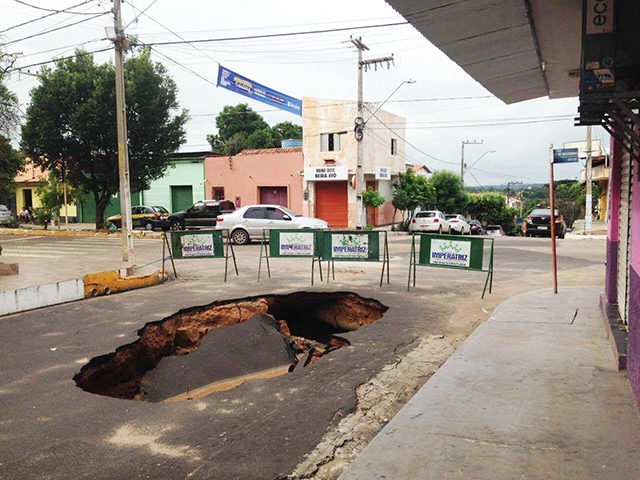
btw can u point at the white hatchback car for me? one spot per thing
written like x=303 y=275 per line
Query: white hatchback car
x=6 y=216
x=432 y=221
x=459 y=224
x=247 y=223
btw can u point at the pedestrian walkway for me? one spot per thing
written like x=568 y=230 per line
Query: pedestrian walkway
x=533 y=393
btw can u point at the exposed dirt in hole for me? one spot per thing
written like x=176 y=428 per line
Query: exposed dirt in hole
x=312 y=320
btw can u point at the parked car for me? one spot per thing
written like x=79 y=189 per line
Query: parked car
x=539 y=224
x=247 y=223
x=430 y=221
x=6 y=215
x=477 y=228
x=200 y=214
x=145 y=217
x=459 y=224
x=495 y=230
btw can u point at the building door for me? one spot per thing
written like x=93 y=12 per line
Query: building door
x=372 y=213
x=28 y=198
x=624 y=235
x=181 y=198
x=332 y=203
x=274 y=196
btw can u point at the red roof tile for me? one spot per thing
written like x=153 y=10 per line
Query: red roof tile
x=270 y=151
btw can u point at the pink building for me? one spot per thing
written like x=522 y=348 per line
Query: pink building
x=257 y=177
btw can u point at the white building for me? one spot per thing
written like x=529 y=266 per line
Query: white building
x=330 y=160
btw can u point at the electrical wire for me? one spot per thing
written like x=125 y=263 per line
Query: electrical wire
x=55 y=12
x=78 y=54
x=97 y=15
x=66 y=10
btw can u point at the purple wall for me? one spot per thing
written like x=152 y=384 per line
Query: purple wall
x=611 y=272
x=633 y=347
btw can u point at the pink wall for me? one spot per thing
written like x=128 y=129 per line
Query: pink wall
x=242 y=175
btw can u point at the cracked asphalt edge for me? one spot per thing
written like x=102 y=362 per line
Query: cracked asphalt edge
x=378 y=400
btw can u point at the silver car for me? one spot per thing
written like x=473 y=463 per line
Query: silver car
x=5 y=215
x=247 y=223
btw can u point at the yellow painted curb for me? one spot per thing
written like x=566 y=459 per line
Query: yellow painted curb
x=74 y=233
x=106 y=283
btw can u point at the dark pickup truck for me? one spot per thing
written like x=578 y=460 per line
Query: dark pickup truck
x=200 y=214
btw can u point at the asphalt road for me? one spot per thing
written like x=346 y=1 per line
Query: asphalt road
x=49 y=428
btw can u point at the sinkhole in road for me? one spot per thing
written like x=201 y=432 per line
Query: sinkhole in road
x=189 y=355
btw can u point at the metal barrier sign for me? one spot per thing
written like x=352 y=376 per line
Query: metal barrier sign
x=445 y=251
x=203 y=244
x=354 y=246
x=290 y=244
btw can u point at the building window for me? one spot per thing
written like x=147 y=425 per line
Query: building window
x=329 y=142
x=394 y=146
x=217 y=193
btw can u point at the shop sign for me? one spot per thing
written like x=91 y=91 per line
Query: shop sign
x=383 y=173
x=326 y=173
x=197 y=245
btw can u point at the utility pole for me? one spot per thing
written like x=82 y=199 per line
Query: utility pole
x=589 y=201
x=121 y=45
x=359 y=129
x=509 y=190
x=462 y=164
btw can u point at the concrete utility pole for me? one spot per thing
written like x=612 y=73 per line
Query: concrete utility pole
x=359 y=129
x=462 y=164
x=588 y=219
x=121 y=45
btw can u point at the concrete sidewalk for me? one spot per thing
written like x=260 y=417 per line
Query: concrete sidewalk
x=533 y=393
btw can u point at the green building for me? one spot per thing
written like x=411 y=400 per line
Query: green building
x=182 y=185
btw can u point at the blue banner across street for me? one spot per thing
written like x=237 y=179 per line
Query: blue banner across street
x=242 y=85
x=565 y=155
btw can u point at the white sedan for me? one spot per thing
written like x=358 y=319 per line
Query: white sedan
x=247 y=223
x=459 y=224
x=430 y=221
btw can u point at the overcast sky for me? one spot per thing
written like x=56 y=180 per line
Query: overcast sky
x=317 y=65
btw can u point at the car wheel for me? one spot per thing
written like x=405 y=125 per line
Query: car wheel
x=117 y=224
x=177 y=225
x=148 y=226
x=440 y=230
x=240 y=237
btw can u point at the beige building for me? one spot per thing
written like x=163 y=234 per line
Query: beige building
x=330 y=160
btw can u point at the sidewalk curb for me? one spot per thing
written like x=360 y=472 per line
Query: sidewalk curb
x=91 y=285
x=75 y=233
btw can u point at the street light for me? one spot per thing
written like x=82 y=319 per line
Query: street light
x=410 y=82
x=488 y=151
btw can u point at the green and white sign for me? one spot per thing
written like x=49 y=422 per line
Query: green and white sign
x=450 y=252
x=349 y=245
x=295 y=244
x=197 y=246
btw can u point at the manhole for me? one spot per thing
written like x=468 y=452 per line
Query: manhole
x=174 y=359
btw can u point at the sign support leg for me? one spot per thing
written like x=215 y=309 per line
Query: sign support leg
x=164 y=248
x=552 y=202
x=171 y=255
x=411 y=265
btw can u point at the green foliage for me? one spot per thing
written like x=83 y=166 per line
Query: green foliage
x=51 y=195
x=43 y=217
x=491 y=209
x=411 y=192
x=450 y=195
x=240 y=128
x=372 y=198
x=71 y=124
x=10 y=164
x=9 y=107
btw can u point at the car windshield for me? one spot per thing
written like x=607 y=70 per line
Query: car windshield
x=291 y=213
x=543 y=211
x=450 y=216
x=425 y=214
x=161 y=210
x=493 y=227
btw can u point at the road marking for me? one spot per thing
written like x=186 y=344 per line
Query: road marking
x=19 y=239
x=33 y=255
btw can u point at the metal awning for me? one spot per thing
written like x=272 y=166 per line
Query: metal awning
x=517 y=49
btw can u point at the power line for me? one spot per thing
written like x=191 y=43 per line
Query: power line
x=55 y=12
x=56 y=29
x=77 y=54
x=66 y=10
x=276 y=35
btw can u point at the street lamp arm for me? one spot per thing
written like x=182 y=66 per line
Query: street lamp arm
x=488 y=151
x=387 y=99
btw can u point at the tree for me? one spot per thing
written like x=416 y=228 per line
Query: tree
x=51 y=195
x=9 y=108
x=71 y=124
x=410 y=192
x=372 y=199
x=491 y=208
x=450 y=195
x=10 y=164
x=240 y=127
